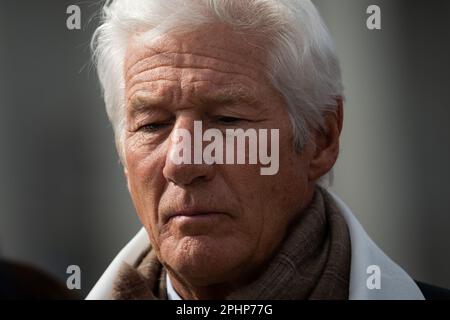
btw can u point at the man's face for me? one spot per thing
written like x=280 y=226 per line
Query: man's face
x=215 y=77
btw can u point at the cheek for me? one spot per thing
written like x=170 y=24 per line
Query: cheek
x=254 y=193
x=146 y=183
x=271 y=201
x=268 y=204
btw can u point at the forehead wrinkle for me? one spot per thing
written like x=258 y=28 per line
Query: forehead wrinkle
x=147 y=86
x=188 y=61
x=149 y=83
x=182 y=75
x=230 y=48
x=147 y=77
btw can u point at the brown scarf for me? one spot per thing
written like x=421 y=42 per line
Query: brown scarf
x=313 y=262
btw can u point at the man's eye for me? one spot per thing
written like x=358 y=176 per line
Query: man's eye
x=154 y=127
x=228 y=120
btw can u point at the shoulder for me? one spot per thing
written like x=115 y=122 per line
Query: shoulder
x=24 y=282
x=431 y=292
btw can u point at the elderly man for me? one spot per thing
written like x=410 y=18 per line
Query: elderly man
x=216 y=229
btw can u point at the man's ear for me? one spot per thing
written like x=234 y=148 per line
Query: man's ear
x=327 y=143
x=125 y=171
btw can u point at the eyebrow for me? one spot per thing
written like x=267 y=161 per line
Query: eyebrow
x=146 y=100
x=228 y=96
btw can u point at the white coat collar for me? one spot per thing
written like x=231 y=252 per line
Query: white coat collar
x=395 y=282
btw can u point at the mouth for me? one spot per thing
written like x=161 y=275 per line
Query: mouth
x=193 y=215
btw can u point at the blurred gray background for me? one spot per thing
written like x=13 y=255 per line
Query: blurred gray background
x=63 y=199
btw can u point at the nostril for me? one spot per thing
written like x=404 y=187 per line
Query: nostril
x=187 y=174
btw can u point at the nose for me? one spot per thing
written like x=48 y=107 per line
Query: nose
x=187 y=172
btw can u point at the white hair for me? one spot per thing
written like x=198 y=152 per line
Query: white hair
x=302 y=63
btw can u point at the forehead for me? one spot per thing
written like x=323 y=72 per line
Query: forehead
x=212 y=46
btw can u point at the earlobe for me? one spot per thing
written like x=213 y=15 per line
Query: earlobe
x=327 y=143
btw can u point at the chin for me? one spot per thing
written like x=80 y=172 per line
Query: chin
x=203 y=261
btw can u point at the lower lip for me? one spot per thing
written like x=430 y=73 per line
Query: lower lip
x=198 y=224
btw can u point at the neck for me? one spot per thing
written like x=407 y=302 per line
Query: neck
x=216 y=291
